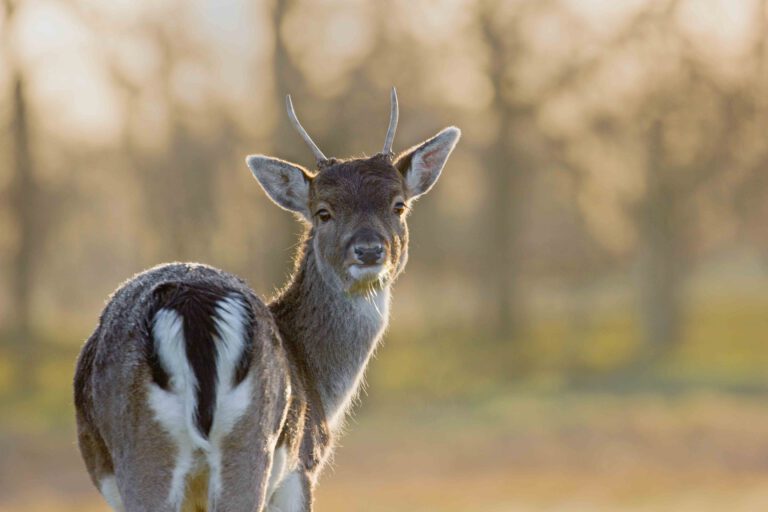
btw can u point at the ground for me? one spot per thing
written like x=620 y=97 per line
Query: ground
x=688 y=451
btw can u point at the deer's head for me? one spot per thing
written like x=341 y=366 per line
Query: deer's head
x=357 y=208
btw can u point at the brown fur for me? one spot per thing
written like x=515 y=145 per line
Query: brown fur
x=307 y=349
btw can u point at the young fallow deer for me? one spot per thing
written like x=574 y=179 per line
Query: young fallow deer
x=193 y=395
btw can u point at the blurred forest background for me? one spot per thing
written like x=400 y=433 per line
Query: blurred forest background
x=584 y=318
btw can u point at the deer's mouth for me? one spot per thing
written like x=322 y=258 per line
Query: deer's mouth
x=361 y=273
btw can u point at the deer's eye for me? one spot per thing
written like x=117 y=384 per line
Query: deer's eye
x=323 y=214
x=399 y=208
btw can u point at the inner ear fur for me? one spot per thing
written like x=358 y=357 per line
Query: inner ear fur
x=286 y=183
x=422 y=164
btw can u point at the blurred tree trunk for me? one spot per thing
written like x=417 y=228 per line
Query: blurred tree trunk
x=751 y=196
x=660 y=275
x=507 y=177
x=23 y=201
x=177 y=183
x=664 y=217
x=286 y=142
x=24 y=193
x=661 y=269
x=507 y=167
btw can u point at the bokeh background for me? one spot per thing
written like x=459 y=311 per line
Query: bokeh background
x=583 y=324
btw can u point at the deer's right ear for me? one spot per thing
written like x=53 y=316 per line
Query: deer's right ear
x=285 y=183
x=422 y=164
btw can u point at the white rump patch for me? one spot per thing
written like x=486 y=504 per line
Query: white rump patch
x=108 y=489
x=231 y=401
x=175 y=409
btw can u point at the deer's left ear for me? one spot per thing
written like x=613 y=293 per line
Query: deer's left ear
x=421 y=165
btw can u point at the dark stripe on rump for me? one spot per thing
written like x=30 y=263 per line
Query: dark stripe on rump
x=196 y=304
x=159 y=375
x=244 y=364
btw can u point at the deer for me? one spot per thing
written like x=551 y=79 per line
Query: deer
x=192 y=394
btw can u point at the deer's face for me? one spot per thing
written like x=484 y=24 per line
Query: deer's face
x=357 y=208
x=359 y=233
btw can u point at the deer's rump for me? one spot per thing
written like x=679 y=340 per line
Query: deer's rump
x=199 y=353
x=184 y=362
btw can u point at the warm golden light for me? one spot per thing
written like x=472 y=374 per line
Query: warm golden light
x=582 y=324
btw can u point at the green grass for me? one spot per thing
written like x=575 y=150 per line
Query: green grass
x=723 y=349
x=458 y=421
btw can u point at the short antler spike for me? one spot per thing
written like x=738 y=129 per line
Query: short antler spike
x=394 y=113
x=319 y=156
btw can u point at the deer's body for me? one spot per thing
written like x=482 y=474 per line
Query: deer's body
x=193 y=395
x=138 y=413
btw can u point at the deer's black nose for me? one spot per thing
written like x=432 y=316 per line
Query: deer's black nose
x=369 y=254
x=367 y=247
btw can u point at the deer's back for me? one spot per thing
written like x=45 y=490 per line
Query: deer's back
x=184 y=355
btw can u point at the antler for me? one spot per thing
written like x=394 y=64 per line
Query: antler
x=319 y=156
x=393 y=115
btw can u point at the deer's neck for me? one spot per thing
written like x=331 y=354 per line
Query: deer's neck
x=333 y=332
